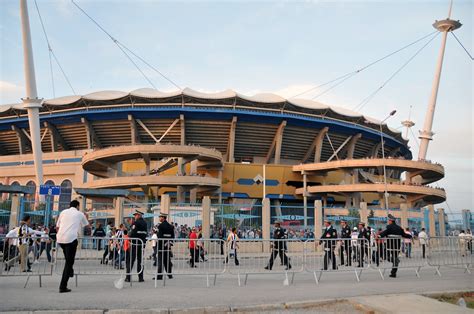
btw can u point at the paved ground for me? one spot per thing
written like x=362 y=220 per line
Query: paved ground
x=98 y=292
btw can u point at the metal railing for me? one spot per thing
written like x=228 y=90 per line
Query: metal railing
x=450 y=251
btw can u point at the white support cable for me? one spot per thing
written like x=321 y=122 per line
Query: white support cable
x=51 y=53
x=44 y=134
x=470 y=56
x=330 y=143
x=372 y=95
x=365 y=67
x=122 y=47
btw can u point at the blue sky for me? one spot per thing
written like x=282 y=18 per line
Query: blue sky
x=283 y=47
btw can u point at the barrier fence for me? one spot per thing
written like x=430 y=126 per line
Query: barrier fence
x=165 y=258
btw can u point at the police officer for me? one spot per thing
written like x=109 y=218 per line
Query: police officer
x=364 y=242
x=346 y=244
x=279 y=247
x=138 y=231
x=329 y=245
x=393 y=233
x=165 y=242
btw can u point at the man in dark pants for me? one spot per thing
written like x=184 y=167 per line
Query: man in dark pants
x=346 y=243
x=279 y=247
x=364 y=243
x=69 y=223
x=393 y=233
x=329 y=245
x=138 y=236
x=165 y=242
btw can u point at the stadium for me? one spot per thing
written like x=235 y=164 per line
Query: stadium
x=233 y=148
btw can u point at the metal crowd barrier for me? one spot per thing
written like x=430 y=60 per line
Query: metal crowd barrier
x=337 y=255
x=23 y=256
x=397 y=252
x=171 y=257
x=450 y=251
x=282 y=256
x=104 y=256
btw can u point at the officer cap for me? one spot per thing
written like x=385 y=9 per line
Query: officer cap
x=277 y=222
x=362 y=223
x=355 y=228
x=137 y=212
x=391 y=217
x=327 y=220
x=343 y=221
x=162 y=214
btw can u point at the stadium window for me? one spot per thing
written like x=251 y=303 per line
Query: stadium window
x=31 y=197
x=65 y=196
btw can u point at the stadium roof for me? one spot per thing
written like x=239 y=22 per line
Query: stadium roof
x=267 y=101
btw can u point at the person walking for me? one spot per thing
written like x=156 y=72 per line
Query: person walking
x=99 y=233
x=408 y=243
x=138 y=236
x=70 y=222
x=364 y=243
x=233 y=246
x=329 y=244
x=393 y=233
x=423 y=238
x=279 y=247
x=346 y=244
x=165 y=242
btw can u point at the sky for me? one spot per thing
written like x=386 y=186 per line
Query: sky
x=282 y=47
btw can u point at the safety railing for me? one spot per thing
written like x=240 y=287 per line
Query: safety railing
x=23 y=256
x=283 y=256
x=450 y=251
x=104 y=256
x=185 y=257
x=337 y=255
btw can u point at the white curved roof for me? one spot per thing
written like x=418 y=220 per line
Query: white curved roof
x=305 y=105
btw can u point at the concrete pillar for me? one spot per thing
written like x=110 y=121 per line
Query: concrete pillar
x=404 y=215
x=441 y=222
x=318 y=219
x=431 y=217
x=364 y=213
x=206 y=217
x=193 y=171
x=165 y=204
x=14 y=211
x=266 y=223
x=180 y=194
x=118 y=210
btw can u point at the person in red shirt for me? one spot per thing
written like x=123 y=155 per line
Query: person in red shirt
x=193 y=248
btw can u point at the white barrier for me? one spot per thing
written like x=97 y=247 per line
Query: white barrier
x=337 y=255
x=282 y=256
x=23 y=256
x=184 y=257
x=104 y=256
x=450 y=251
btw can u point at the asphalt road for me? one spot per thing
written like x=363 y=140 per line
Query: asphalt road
x=98 y=292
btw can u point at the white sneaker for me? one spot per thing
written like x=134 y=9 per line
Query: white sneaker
x=36 y=262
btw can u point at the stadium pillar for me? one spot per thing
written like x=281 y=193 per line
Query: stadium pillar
x=363 y=213
x=206 y=217
x=441 y=222
x=165 y=204
x=193 y=171
x=118 y=210
x=14 y=211
x=404 y=215
x=266 y=223
x=431 y=218
x=31 y=102
x=318 y=219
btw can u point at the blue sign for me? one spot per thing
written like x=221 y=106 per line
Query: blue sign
x=290 y=217
x=50 y=190
x=237 y=216
x=188 y=214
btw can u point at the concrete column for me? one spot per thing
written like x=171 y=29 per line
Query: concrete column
x=193 y=171
x=165 y=204
x=404 y=215
x=118 y=210
x=441 y=222
x=431 y=217
x=318 y=219
x=14 y=211
x=206 y=217
x=364 y=213
x=266 y=223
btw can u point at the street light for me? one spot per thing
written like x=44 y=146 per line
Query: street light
x=383 y=160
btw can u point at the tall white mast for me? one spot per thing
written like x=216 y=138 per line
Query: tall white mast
x=31 y=102
x=426 y=135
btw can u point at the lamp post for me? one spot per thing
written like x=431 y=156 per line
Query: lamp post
x=383 y=160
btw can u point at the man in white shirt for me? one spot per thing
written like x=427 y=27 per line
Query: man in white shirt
x=70 y=222
x=423 y=238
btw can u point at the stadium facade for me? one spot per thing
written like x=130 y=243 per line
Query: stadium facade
x=233 y=148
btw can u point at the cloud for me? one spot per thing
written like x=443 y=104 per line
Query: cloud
x=10 y=92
